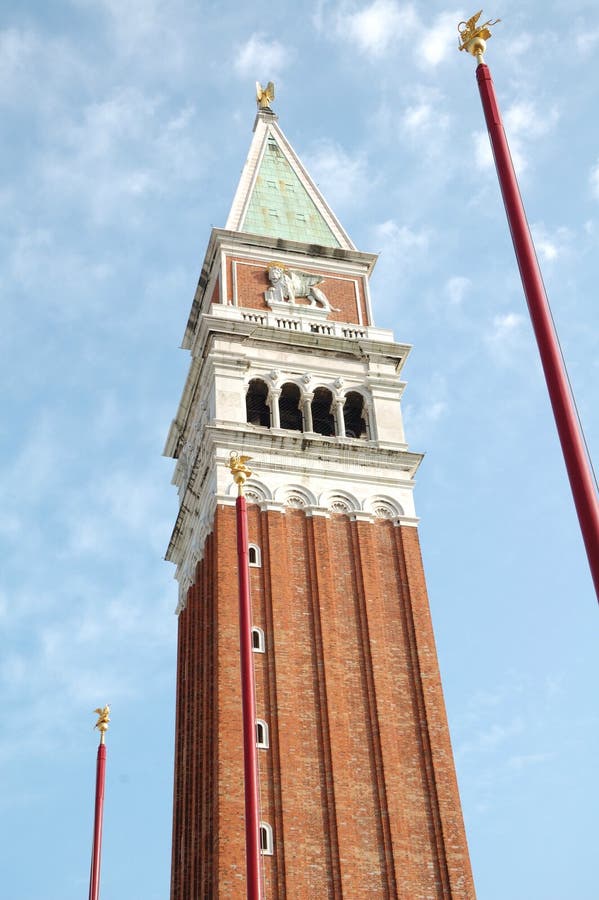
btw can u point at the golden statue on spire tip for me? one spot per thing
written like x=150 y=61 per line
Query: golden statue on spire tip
x=473 y=37
x=265 y=96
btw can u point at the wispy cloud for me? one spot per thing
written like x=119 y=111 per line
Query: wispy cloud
x=438 y=39
x=261 y=57
x=594 y=180
x=123 y=149
x=374 y=28
x=340 y=176
x=551 y=245
x=586 y=41
x=456 y=289
x=425 y=116
x=421 y=418
x=400 y=243
x=526 y=760
x=504 y=336
x=523 y=123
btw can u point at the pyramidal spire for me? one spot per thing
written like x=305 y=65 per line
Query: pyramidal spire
x=275 y=196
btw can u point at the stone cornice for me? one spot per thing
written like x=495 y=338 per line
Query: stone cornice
x=296 y=457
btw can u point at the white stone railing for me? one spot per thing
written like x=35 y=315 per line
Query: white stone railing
x=300 y=321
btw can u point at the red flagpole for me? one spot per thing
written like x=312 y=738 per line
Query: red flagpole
x=578 y=466
x=94 y=877
x=250 y=753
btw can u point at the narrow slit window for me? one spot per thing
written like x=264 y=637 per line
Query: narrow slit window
x=266 y=842
x=258 y=642
x=262 y=740
x=255 y=557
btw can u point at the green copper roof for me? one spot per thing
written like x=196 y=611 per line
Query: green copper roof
x=280 y=205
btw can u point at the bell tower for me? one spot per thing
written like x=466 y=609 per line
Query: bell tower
x=358 y=794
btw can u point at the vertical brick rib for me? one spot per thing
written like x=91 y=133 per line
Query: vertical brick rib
x=360 y=567
x=319 y=563
x=188 y=750
x=196 y=729
x=431 y=793
x=202 y=645
x=177 y=784
x=278 y=875
x=212 y=806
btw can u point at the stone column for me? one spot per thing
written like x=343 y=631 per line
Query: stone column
x=307 y=411
x=339 y=420
x=273 y=402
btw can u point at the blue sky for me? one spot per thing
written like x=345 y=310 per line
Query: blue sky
x=125 y=129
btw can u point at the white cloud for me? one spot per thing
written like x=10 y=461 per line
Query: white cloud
x=523 y=118
x=550 y=245
x=262 y=57
x=439 y=39
x=519 y=45
x=586 y=41
x=415 y=118
x=34 y=70
x=17 y=49
x=456 y=289
x=594 y=180
x=341 y=177
x=375 y=27
x=428 y=112
x=525 y=761
x=523 y=123
x=401 y=244
x=505 y=336
x=123 y=149
x=378 y=27
x=422 y=417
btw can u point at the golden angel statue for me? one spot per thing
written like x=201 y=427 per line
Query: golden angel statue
x=265 y=96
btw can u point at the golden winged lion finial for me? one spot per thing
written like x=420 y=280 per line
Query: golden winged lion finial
x=265 y=96
x=103 y=713
x=473 y=36
x=239 y=470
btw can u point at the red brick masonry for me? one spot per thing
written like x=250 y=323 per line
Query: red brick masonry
x=358 y=783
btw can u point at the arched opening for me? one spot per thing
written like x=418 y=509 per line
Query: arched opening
x=266 y=843
x=256 y=406
x=258 y=644
x=254 y=556
x=262 y=740
x=289 y=407
x=323 y=420
x=353 y=415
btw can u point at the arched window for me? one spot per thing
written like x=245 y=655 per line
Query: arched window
x=323 y=420
x=353 y=415
x=258 y=643
x=255 y=557
x=266 y=843
x=256 y=407
x=262 y=734
x=289 y=407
